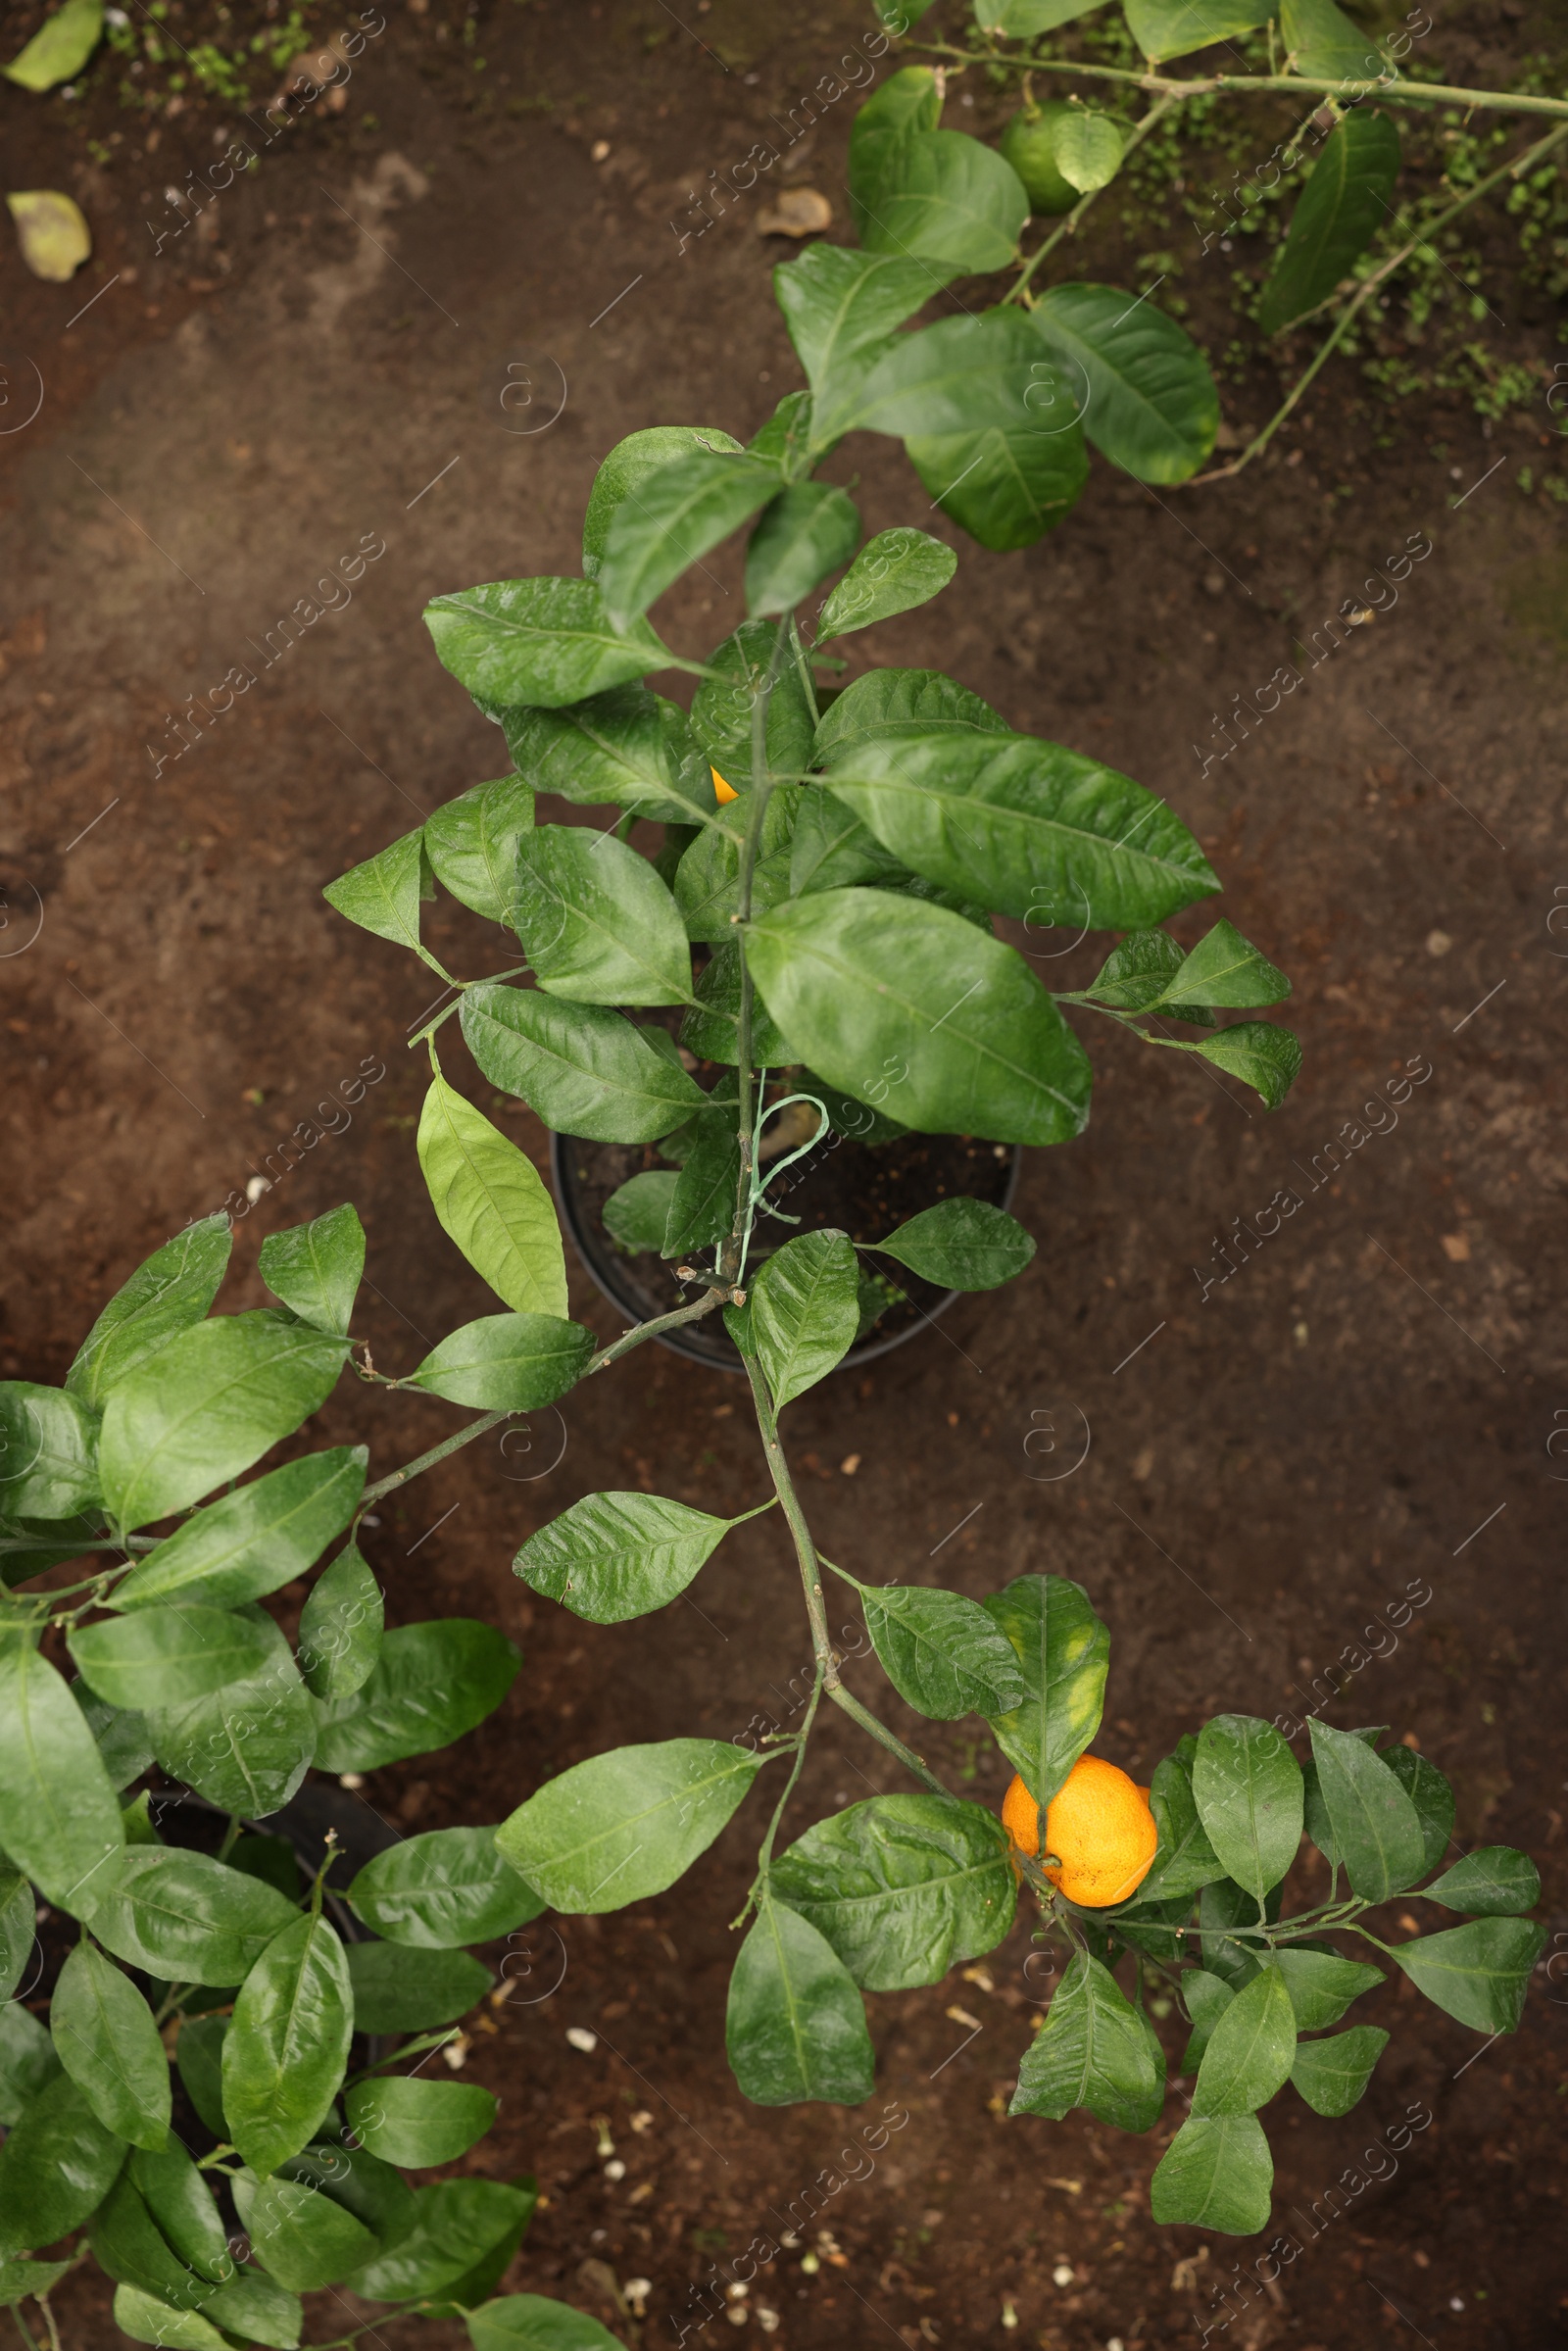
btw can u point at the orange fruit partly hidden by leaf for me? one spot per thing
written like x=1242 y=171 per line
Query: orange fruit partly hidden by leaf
x=1098 y=1825
x=722 y=792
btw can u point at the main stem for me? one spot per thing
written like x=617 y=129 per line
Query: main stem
x=732 y=1256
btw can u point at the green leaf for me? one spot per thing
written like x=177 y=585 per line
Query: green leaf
x=803 y=1312
x=627 y=1824
x=944 y=197
x=1151 y=405
x=1184 y=1860
x=60 y=46
x=198 y=2056
x=383 y=894
x=506 y=1362
x=400 y=1987
x=300 y=2237
x=123 y=1740
x=47 y=1443
x=1225 y=969
x=628 y=467
x=893 y=572
x=61 y=1823
x=431 y=1683
x=1429 y=1792
x=713 y=1031
x=148 y=2319
x=127 y=2243
x=909 y=101
x=1332 y=2075
x=1088 y=147
x=807 y=531
x=1248 y=1787
x=288 y=2045
x=188 y=1919
x=899 y=706
x=19 y=1927
x=28 y=2060
x=258 y=2310
x=707 y=878
x=108 y=2043
x=253 y=1541
x=547 y=642
x=1323 y=43
x=442 y=1890
x=1004 y=484
x=962 y=1245
x=173 y=1289
x=943 y=1654
x=1095 y=2051
x=1261 y=1056
x=1065 y=1651
x=533 y=2322
x=671 y=521
x=19 y=2278
x=341 y=1626
x=57 y=2165
x=873 y=988
x=180 y=2202
x=1250 y=2049
x=415 y=2123
x=1172 y=27
x=1375 y=1827
x=1322 y=1984
x=490 y=1200
x=164 y=1657
x=377 y=2196
x=795 y=2027
x=1495 y=1881
x=1021 y=20
x=1139 y=972
x=831 y=849
x=1338 y=214
x=1217 y=2171
x=629 y=747
x=613 y=1556
x=315 y=1268
x=1478 y=1972
x=1015 y=822
x=841 y=307
x=1208 y=1997
x=464 y=2234
x=585 y=1070
x=597 y=923
x=247 y=1746
x=636 y=1213
x=721 y=723
x=472 y=843
x=1221 y=1906
x=902 y=1887
x=960 y=376
x=702 y=1207
x=207 y=1405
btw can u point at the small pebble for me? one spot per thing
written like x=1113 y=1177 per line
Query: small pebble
x=581 y=2039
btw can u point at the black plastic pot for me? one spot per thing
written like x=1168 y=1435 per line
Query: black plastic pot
x=844 y=1184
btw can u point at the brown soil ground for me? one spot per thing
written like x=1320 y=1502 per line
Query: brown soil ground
x=1371 y=1403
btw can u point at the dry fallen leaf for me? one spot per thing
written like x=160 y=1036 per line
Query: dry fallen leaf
x=1455 y=1247
x=799 y=213
x=53 y=235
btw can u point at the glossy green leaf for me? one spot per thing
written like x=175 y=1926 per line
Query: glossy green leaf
x=636 y=1213
x=1208 y=1997
x=831 y=849
x=670 y=521
x=943 y=1654
x=1139 y=972
x=258 y=2310
x=713 y=1031
x=18 y=1929
x=163 y=1657
x=19 y=2278
x=1332 y=2075
x=1248 y=1787
x=1095 y=2051
x=181 y=2201
x=48 y=1439
x=721 y=720
x=464 y=2233
x=707 y=878
x=188 y=1919
x=1217 y=2171
x=803 y=1312
x=288 y=2045
x=1063 y=1651
x=597 y=923
x=431 y=1683
x=300 y=2237
x=902 y=1887
x=534 y=2322
x=613 y=1556
x=247 y=1746
x=28 y=2060
x=547 y=642
x=400 y=1987
x=962 y=1245
x=442 y=1890
x=383 y=894
x=585 y=1070
x=1016 y=822
x=169 y=1292
x=253 y=1541
x=124 y=1738
x=506 y=1362
x=1261 y=1056
x=893 y=572
x=1478 y=1972
x=1172 y=27
x=878 y=989
x=807 y=531
x=62 y=1822
x=1008 y=483
x=629 y=747
x=1224 y=969
x=377 y=2196
x=1338 y=214
x=1322 y=1984
x=1088 y=147
x=472 y=843
x=108 y=2043
x=1250 y=2049
x=1148 y=401
x=627 y=1824
x=1184 y=1859
x=1376 y=1831
x=129 y=2245
x=198 y=2056
x=412 y=2122
x=1322 y=42
x=888 y=705
x=628 y=467
x=212 y=1402
x=1429 y=1792
x=491 y=1201
x=341 y=1626
x=1495 y=1881
x=961 y=375
x=795 y=2027
x=57 y=2165
x=316 y=1268
x=1223 y=1906
x=60 y=46
x=702 y=1207
x=148 y=2319
x=841 y=307
x=942 y=196
x=1021 y=20
x=785 y=440
x=907 y=102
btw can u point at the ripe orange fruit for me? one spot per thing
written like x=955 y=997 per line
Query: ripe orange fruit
x=1097 y=1825
x=723 y=793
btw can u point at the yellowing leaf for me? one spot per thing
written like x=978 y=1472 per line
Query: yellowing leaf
x=54 y=237
x=60 y=47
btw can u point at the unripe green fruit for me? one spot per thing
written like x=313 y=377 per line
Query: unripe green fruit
x=1028 y=145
